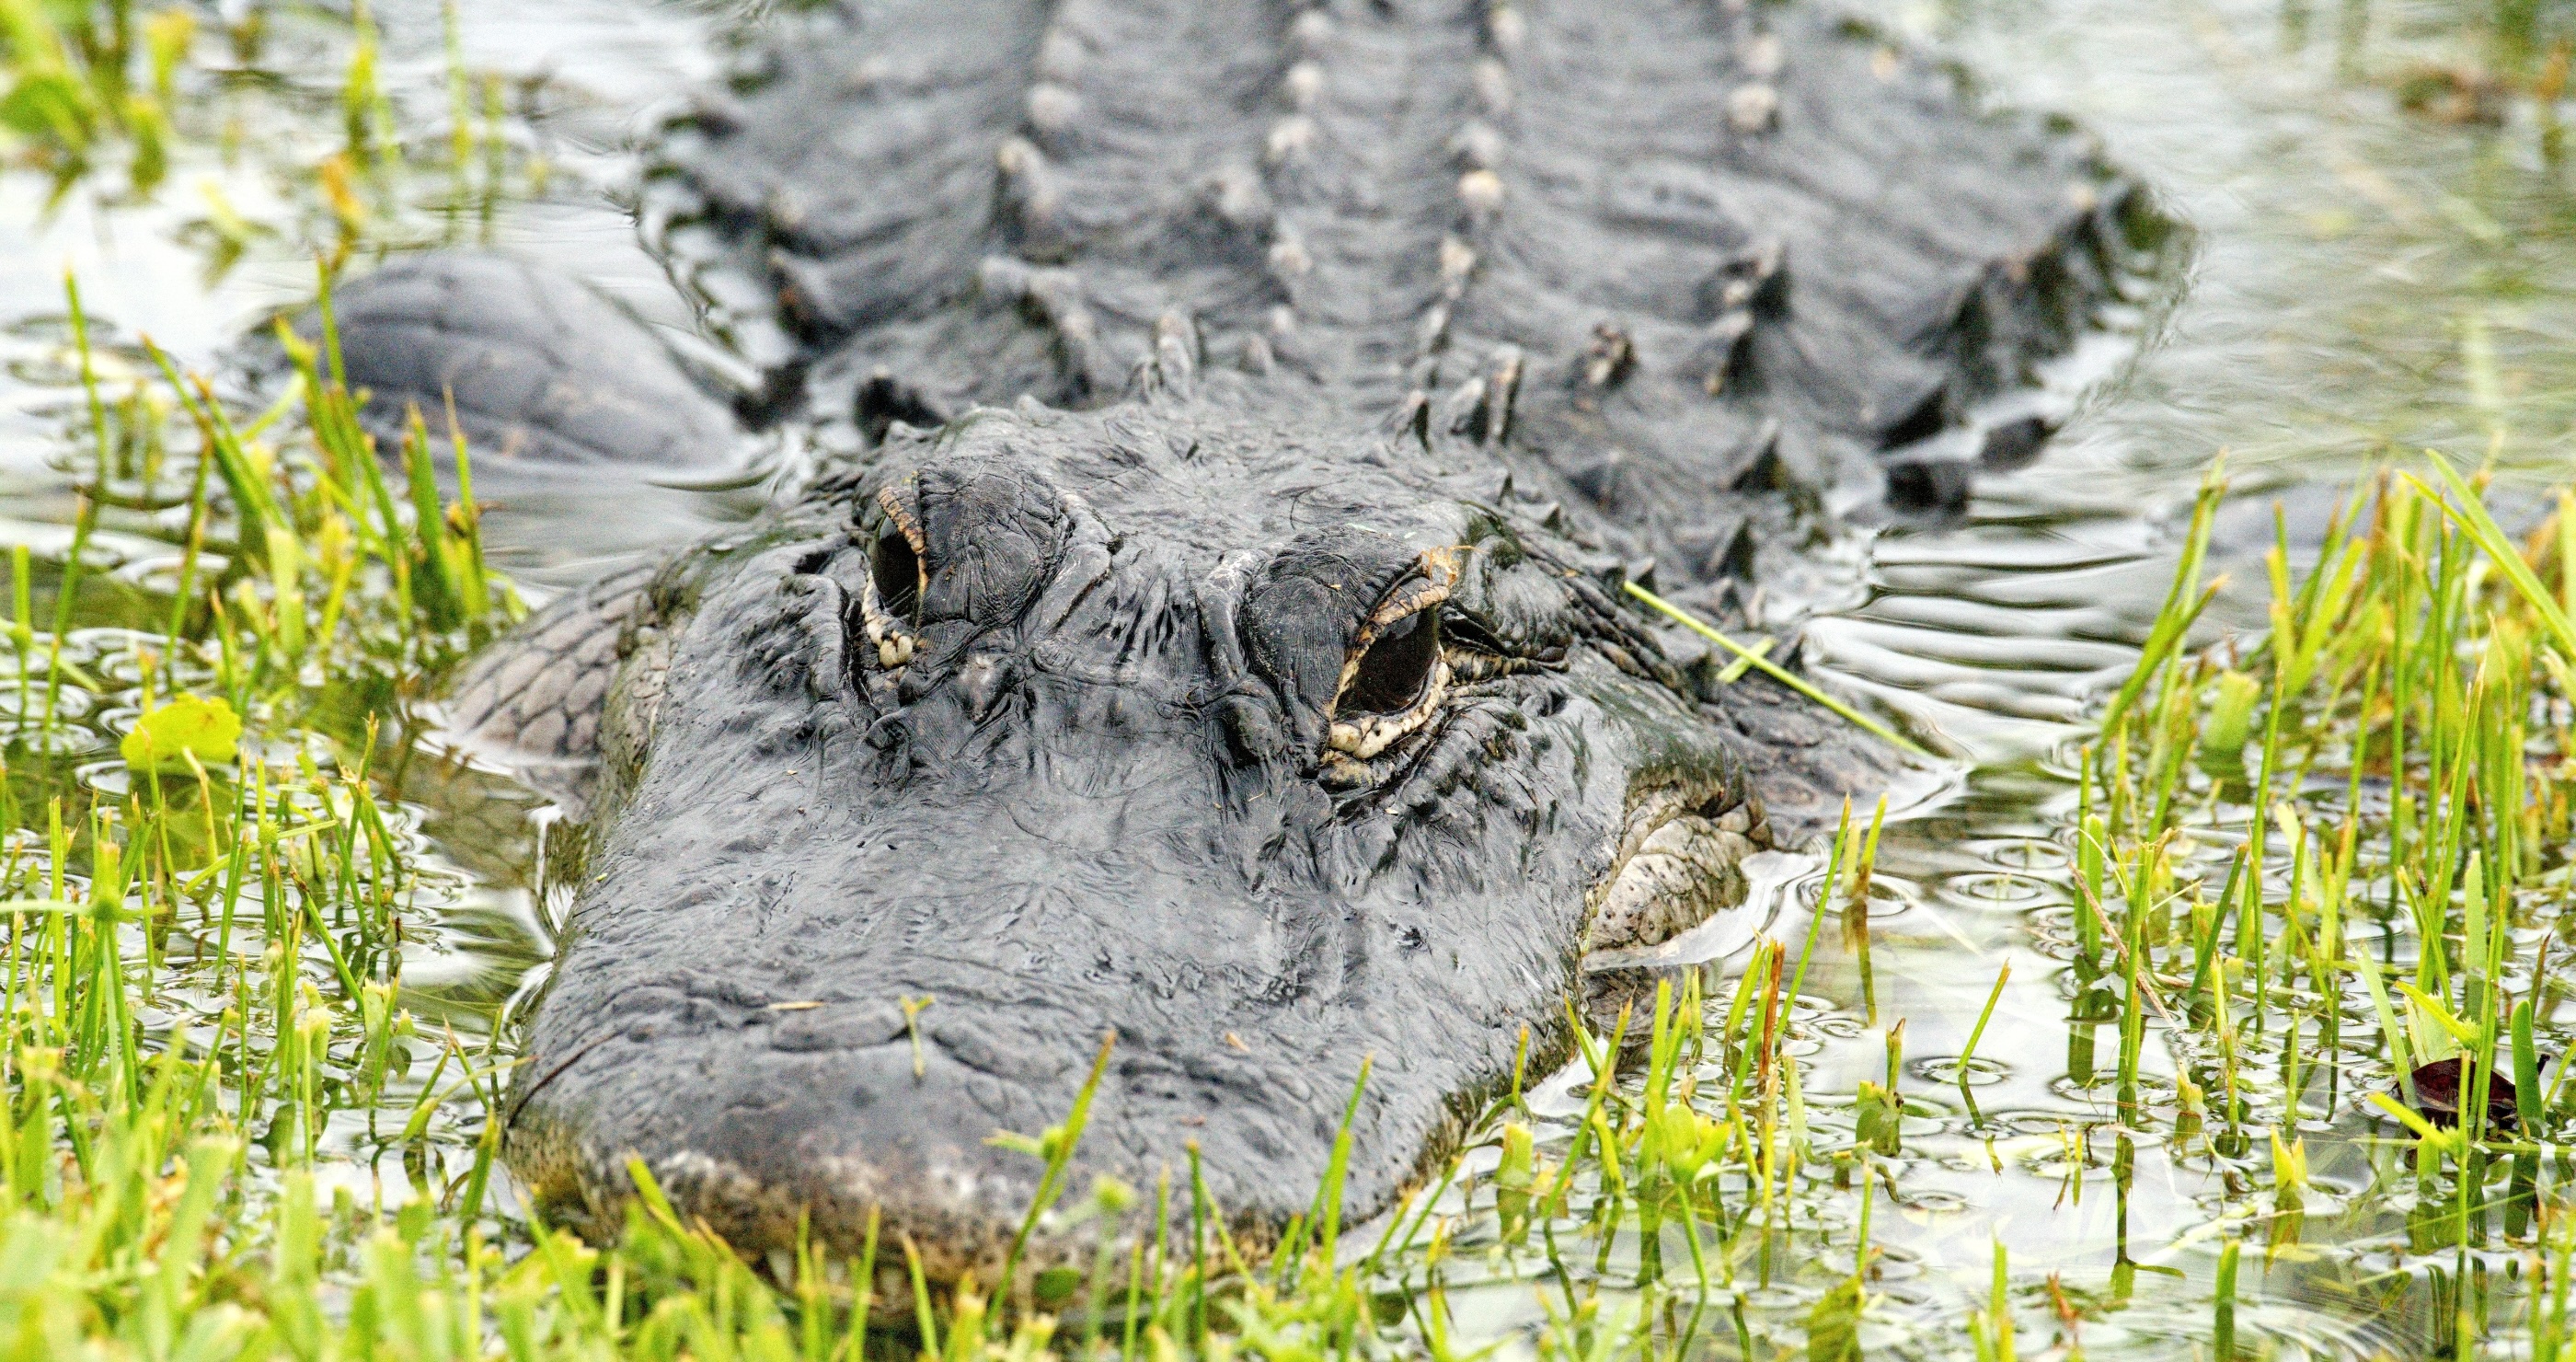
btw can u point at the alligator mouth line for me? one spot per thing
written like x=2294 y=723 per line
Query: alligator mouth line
x=1679 y=863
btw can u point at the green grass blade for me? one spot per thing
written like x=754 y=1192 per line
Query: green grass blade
x=1778 y=673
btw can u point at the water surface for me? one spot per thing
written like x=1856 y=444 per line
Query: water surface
x=2360 y=283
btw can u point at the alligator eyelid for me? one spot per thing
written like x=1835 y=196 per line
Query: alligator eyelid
x=1424 y=584
x=1409 y=598
x=1462 y=630
x=1397 y=699
x=905 y=524
x=1401 y=604
x=1418 y=594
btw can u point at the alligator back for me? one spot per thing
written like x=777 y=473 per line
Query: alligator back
x=1722 y=249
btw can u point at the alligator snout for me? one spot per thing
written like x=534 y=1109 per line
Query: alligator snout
x=894 y=1038
x=844 y=1030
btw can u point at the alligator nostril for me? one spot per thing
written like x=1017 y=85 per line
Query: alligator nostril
x=897 y=571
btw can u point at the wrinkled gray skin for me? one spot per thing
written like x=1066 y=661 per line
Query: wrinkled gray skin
x=1215 y=636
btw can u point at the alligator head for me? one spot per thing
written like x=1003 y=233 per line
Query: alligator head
x=1264 y=753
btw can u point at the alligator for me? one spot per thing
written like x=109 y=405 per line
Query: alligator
x=1204 y=631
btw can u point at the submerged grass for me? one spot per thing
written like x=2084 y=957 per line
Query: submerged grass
x=187 y=111
x=2346 y=853
x=1748 y=657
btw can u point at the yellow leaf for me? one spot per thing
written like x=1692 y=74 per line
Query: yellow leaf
x=165 y=735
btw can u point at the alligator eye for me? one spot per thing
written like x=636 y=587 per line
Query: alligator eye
x=891 y=607
x=896 y=572
x=1392 y=687
x=1393 y=673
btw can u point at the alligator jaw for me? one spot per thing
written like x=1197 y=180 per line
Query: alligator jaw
x=959 y=1221
x=1678 y=865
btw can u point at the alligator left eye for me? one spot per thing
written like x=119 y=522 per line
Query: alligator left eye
x=1392 y=688
x=1396 y=669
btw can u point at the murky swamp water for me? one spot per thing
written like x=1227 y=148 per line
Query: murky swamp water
x=2362 y=282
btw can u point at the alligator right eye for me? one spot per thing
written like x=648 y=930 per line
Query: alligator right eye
x=895 y=570
x=890 y=608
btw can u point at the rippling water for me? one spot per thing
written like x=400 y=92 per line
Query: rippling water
x=2363 y=283
x=2360 y=283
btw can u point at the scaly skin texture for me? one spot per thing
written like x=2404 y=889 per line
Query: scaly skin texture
x=1211 y=633
x=958 y=202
